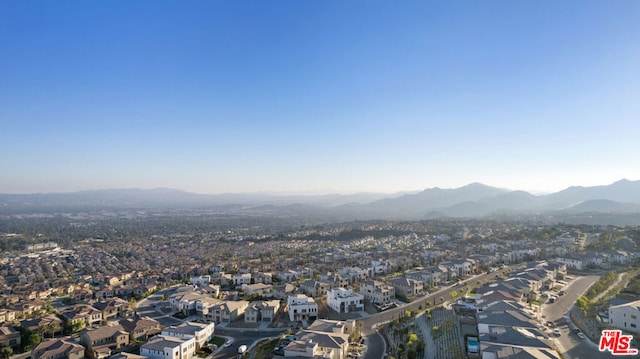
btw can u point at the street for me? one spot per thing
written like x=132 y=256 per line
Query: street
x=569 y=344
x=151 y=305
x=375 y=342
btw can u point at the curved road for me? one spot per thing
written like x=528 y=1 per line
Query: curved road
x=375 y=342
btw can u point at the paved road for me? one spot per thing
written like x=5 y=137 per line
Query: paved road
x=149 y=307
x=375 y=342
x=568 y=342
x=240 y=337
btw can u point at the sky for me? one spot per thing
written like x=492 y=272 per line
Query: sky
x=318 y=96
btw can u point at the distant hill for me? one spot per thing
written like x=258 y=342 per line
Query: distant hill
x=620 y=191
x=605 y=206
x=169 y=198
x=473 y=200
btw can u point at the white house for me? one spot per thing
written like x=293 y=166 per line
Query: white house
x=377 y=292
x=200 y=281
x=202 y=333
x=571 y=262
x=345 y=300
x=241 y=278
x=162 y=347
x=302 y=307
x=257 y=288
x=625 y=316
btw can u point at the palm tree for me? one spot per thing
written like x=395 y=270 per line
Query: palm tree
x=54 y=327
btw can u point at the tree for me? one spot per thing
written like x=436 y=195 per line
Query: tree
x=132 y=303
x=6 y=352
x=32 y=340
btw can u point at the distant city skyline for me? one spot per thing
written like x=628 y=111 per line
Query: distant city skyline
x=318 y=96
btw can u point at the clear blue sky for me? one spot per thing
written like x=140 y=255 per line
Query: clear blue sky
x=244 y=96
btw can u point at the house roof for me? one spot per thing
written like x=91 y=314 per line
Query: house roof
x=189 y=328
x=327 y=326
x=504 y=313
x=138 y=323
x=514 y=336
x=402 y=281
x=107 y=331
x=635 y=304
x=324 y=340
x=55 y=347
x=517 y=352
x=161 y=342
x=232 y=305
x=259 y=305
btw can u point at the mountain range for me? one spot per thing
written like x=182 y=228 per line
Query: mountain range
x=473 y=200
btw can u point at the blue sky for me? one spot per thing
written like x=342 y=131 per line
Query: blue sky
x=317 y=96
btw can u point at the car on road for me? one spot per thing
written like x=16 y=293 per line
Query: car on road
x=576 y=330
x=556 y=332
x=228 y=343
x=581 y=336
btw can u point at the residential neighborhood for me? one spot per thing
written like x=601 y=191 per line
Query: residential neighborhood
x=86 y=296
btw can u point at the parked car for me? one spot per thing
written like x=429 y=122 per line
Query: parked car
x=556 y=332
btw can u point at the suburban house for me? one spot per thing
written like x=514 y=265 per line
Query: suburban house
x=227 y=311
x=204 y=305
x=210 y=289
x=625 y=316
x=262 y=311
x=58 y=349
x=7 y=315
x=241 y=278
x=162 y=347
x=407 y=288
x=354 y=274
x=140 y=328
x=201 y=333
x=289 y=275
x=200 y=281
x=314 y=288
x=264 y=278
x=85 y=314
x=112 y=308
x=302 y=349
x=258 y=288
x=101 y=342
x=344 y=300
x=9 y=337
x=49 y=325
x=430 y=276
x=334 y=280
x=185 y=300
x=301 y=307
x=377 y=292
x=332 y=326
x=575 y=263
x=125 y=355
x=318 y=344
x=461 y=267
x=283 y=291
x=618 y=256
